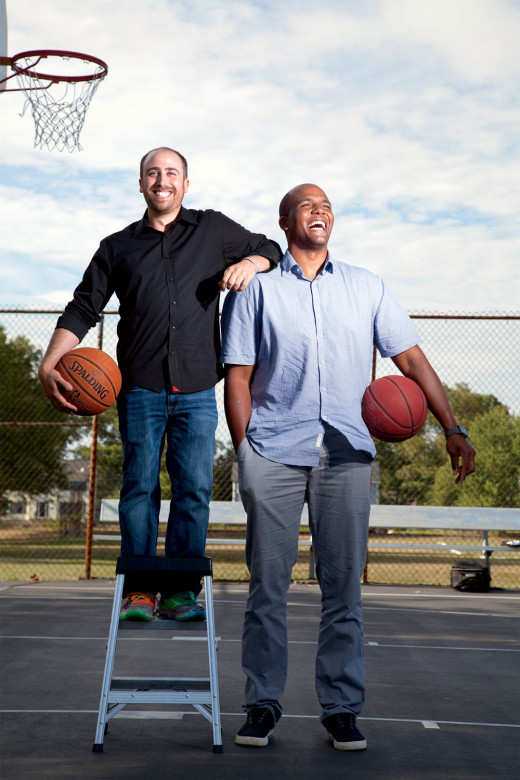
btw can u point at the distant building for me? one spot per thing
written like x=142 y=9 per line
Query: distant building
x=57 y=504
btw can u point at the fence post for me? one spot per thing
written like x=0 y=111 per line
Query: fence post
x=91 y=497
x=372 y=379
x=92 y=477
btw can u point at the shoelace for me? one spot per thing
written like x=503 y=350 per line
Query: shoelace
x=253 y=717
x=186 y=597
x=346 y=719
x=140 y=598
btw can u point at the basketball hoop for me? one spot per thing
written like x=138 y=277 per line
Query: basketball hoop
x=58 y=100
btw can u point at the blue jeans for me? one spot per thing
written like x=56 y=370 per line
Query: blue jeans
x=187 y=423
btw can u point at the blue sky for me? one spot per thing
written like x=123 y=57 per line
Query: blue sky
x=404 y=111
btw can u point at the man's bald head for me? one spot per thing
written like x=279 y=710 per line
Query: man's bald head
x=293 y=196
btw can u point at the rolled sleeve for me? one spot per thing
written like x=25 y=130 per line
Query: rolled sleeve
x=237 y=242
x=394 y=331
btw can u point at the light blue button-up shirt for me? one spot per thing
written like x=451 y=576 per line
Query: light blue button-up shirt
x=311 y=345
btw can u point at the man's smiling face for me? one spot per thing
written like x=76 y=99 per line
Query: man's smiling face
x=308 y=217
x=163 y=183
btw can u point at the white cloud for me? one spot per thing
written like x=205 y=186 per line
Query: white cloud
x=478 y=38
x=403 y=111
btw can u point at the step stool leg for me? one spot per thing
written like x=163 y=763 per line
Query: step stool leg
x=109 y=665
x=213 y=672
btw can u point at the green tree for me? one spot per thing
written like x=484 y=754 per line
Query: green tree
x=466 y=405
x=34 y=434
x=406 y=468
x=222 y=470
x=164 y=478
x=495 y=435
x=417 y=471
x=109 y=455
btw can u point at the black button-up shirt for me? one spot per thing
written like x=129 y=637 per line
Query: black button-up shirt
x=166 y=283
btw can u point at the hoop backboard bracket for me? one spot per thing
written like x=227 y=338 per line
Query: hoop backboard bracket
x=5 y=62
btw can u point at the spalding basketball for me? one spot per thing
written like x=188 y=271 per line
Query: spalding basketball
x=394 y=408
x=95 y=378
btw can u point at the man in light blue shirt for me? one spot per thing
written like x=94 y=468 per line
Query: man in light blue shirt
x=297 y=344
x=311 y=345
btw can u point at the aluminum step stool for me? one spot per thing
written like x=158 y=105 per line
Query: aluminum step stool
x=201 y=693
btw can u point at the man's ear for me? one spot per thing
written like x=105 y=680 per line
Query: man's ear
x=283 y=223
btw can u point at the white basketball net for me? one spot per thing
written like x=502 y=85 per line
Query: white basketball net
x=58 y=110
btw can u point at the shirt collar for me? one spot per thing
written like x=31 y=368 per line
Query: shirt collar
x=184 y=216
x=287 y=263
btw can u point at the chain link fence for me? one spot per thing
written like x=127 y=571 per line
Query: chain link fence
x=54 y=470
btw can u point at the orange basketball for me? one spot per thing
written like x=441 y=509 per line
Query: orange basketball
x=394 y=408
x=95 y=378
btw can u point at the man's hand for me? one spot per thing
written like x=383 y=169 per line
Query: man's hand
x=53 y=384
x=238 y=275
x=462 y=457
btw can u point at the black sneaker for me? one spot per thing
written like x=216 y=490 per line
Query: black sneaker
x=343 y=732
x=257 y=729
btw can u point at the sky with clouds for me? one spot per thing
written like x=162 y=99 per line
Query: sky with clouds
x=404 y=111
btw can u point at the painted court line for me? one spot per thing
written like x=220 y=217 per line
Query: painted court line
x=428 y=724
x=366 y=593
x=447 y=647
x=289 y=604
x=431 y=611
x=120 y=638
x=40 y=637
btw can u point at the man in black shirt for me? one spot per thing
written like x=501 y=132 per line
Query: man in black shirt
x=167 y=271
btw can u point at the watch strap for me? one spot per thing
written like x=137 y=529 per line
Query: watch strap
x=456 y=429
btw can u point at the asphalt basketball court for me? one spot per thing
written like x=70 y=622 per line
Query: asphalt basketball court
x=443 y=689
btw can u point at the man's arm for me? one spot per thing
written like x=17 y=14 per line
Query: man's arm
x=237 y=401
x=414 y=364
x=238 y=275
x=53 y=384
x=239 y=244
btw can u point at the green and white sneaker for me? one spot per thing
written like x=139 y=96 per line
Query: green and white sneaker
x=182 y=606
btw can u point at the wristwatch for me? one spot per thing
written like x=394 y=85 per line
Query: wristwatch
x=460 y=429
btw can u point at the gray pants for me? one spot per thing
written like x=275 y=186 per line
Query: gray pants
x=338 y=495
